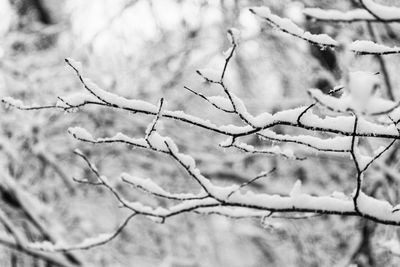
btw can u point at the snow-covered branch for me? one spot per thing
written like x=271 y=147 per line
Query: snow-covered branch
x=329 y=125
x=371 y=12
x=213 y=196
x=286 y=25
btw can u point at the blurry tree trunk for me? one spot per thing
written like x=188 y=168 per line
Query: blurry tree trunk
x=35 y=15
x=35 y=9
x=364 y=254
x=13 y=260
x=12 y=195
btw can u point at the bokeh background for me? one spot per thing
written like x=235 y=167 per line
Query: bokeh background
x=148 y=49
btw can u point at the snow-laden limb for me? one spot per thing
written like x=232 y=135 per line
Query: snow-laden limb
x=85 y=244
x=217 y=196
x=286 y=25
x=374 y=106
x=333 y=15
x=364 y=47
x=381 y=12
x=339 y=144
x=371 y=12
x=149 y=186
x=17 y=103
x=26 y=249
x=75 y=64
x=151 y=128
x=137 y=208
x=301 y=202
x=249 y=182
x=377 y=209
x=262 y=121
x=108 y=98
x=155 y=142
x=343 y=131
x=253 y=124
x=13 y=102
x=233 y=35
x=219 y=102
x=296 y=201
x=341 y=124
x=76 y=100
x=272 y=151
x=210 y=75
x=234 y=213
x=81 y=134
x=232 y=103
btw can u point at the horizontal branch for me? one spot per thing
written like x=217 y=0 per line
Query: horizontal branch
x=85 y=244
x=287 y=26
x=363 y=47
x=232 y=197
x=371 y=12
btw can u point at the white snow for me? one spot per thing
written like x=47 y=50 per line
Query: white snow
x=76 y=99
x=107 y=97
x=382 y=11
x=361 y=86
x=227 y=142
x=10 y=101
x=337 y=143
x=81 y=133
x=235 y=212
x=363 y=46
x=119 y=101
x=234 y=35
x=377 y=208
x=363 y=100
x=274 y=150
x=13 y=102
x=221 y=102
x=300 y=201
x=340 y=195
x=76 y=64
x=141 y=208
x=337 y=15
x=288 y=26
x=210 y=74
x=227 y=52
x=296 y=190
x=150 y=186
x=146 y=184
